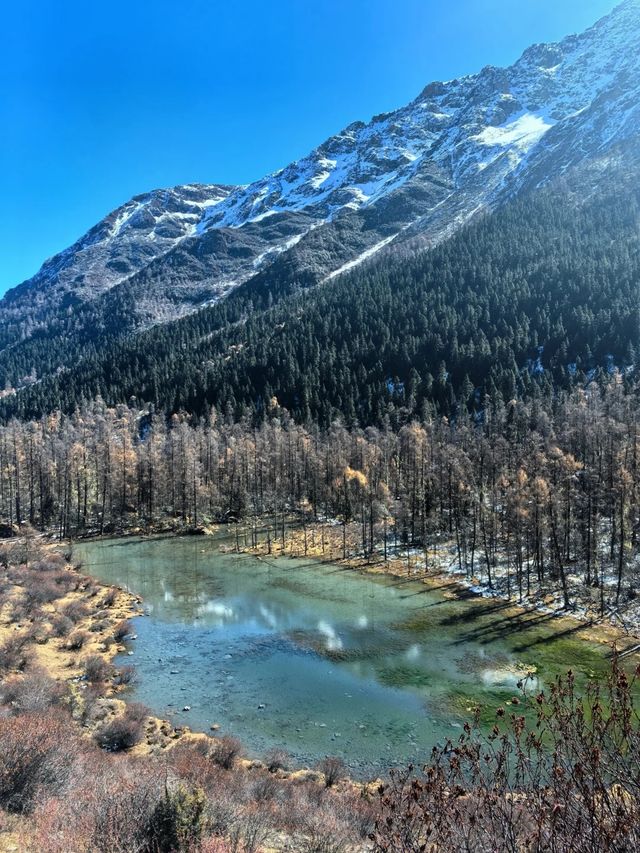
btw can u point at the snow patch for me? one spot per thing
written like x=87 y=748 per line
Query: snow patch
x=361 y=258
x=524 y=132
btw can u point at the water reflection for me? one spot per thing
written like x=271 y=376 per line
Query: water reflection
x=316 y=661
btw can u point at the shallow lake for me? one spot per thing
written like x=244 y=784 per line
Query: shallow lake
x=317 y=659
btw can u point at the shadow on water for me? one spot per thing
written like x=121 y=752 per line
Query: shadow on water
x=505 y=627
x=482 y=611
x=552 y=638
x=427 y=589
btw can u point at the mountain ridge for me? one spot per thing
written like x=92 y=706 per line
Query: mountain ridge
x=410 y=178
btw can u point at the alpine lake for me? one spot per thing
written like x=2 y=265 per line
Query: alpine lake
x=318 y=659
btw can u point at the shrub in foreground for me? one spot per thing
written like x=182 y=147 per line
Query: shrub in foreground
x=333 y=770
x=32 y=693
x=569 y=782
x=124 y=731
x=36 y=758
x=226 y=751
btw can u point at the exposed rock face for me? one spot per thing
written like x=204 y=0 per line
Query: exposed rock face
x=410 y=178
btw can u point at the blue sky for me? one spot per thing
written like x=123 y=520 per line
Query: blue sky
x=101 y=100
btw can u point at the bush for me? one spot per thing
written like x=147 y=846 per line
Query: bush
x=178 y=822
x=575 y=772
x=123 y=732
x=97 y=670
x=119 y=734
x=33 y=693
x=37 y=756
x=189 y=763
x=66 y=580
x=109 y=598
x=122 y=630
x=110 y=810
x=137 y=711
x=75 y=611
x=61 y=626
x=38 y=591
x=248 y=831
x=333 y=769
x=126 y=675
x=226 y=751
x=76 y=641
x=265 y=789
x=14 y=654
x=276 y=759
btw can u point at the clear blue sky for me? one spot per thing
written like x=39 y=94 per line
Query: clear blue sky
x=101 y=100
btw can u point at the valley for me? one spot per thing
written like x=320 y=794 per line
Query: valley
x=320 y=488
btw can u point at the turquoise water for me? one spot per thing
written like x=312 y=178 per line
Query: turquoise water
x=317 y=659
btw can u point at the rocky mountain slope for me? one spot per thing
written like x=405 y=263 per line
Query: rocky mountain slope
x=405 y=180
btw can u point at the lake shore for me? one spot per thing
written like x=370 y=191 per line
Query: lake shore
x=100 y=610
x=99 y=623
x=324 y=543
x=98 y=614
x=54 y=618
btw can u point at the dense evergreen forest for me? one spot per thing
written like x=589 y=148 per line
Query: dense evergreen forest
x=538 y=296
x=545 y=496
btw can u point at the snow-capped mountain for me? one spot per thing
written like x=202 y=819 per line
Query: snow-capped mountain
x=410 y=177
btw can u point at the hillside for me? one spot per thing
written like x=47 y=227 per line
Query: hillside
x=564 y=118
x=542 y=293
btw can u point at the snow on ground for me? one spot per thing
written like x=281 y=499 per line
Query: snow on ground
x=273 y=251
x=584 y=600
x=523 y=132
x=361 y=258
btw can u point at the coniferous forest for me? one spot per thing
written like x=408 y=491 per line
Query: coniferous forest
x=538 y=297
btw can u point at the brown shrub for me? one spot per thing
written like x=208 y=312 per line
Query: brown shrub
x=32 y=693
x=76 y=611
x=226 y=751
x=119 y=734
x=122 y=630
x=14 y=654
x=126 y=675
x=214 y=845
x=248 y=831
x=38 y=591
x=123 y=732
x=37 y=633
x=277 y=759
x=97 y=670
x=567 y=782
x=76 y=641
x=111 y=810
x=38 y=752
x=61 y=626
x=333 y=769
x=109 y=598
x=264 y=788
x=137 y=711
x=190 y=761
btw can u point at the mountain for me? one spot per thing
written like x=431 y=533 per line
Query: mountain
x=403 y=183
x=535 y=298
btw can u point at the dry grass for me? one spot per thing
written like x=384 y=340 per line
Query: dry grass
x=82 y=770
